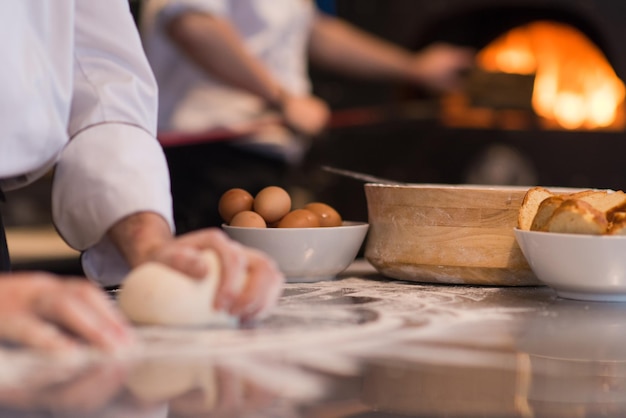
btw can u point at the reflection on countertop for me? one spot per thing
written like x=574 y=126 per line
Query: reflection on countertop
x=360 y=346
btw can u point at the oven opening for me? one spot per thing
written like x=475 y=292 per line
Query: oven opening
x=544 y=74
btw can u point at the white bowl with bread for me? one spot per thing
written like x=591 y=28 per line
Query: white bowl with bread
x=576 y=242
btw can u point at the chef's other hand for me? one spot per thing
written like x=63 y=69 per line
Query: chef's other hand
x=251 y=282
x=307 y=115
x=441 y=67
x=43 y=311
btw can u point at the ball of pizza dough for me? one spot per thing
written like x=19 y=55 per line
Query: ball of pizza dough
x=155 y=294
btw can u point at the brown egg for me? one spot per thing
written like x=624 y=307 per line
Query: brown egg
x=234 y=201
x=299 y=218
x=327 y=214
x=272 y=203
x=248 y=219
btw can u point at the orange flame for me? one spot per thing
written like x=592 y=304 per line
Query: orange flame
x=575 y=86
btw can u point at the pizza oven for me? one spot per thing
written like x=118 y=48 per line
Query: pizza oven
x=544 y=105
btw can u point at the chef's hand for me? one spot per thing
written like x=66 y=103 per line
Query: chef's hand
x=441 y=67
x=250 y=282
x=43 y=311
x=307 y=115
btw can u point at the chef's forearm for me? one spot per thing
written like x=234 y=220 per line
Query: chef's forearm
x=213 y=44
x=138 y=236
x=341 y=46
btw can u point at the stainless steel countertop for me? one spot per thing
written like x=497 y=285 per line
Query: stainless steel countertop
x=359 y=346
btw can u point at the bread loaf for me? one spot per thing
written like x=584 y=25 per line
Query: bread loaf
x=604 y=201
x=545 y=211
x=584 y=212
x=575 y=216
x=617 y=224
x=530 y=204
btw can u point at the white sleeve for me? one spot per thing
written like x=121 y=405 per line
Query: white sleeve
x=106 y=173
x=113 y=81
x=113 y=165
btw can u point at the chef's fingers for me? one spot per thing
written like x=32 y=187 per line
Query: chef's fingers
x=261 y=290
x=234 y=265
x=78 y=307
x=230 y=253
x=185 y=258
x=237 y=264
x=234 y=262
x=103 y=307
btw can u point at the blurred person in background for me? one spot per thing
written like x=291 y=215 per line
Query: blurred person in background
x=243 y=66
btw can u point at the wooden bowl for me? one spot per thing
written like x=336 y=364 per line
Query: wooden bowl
x=446 y=234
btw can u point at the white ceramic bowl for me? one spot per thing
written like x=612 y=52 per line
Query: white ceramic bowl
x=306 y=254
x=576 y=266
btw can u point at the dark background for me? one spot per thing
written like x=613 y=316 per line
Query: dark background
x=411 y=144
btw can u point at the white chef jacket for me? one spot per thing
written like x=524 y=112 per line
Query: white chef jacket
x=77 y=91
x=275 y=31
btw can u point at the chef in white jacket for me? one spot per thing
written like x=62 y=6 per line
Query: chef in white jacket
x=78 y=96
